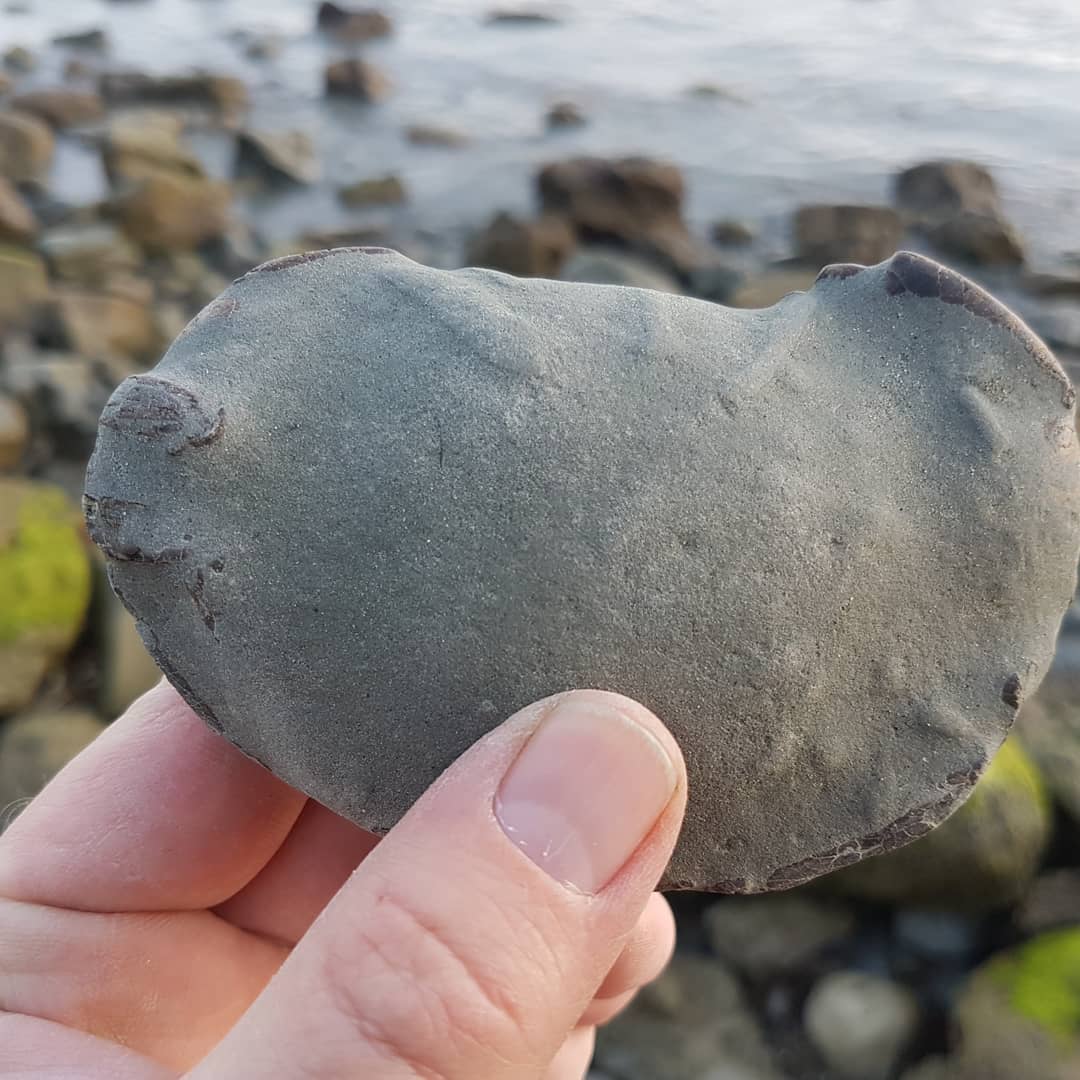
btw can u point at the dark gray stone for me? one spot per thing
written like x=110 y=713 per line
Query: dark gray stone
x=364 y=510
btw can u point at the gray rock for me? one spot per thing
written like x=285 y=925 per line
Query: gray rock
x=731 y=232
x=766 y=936
x=830 y=544
x=860 y=1024
x=938 y=935
x=565 y=114
x=1053 y=901
x=521 y=17
x=691 y=1024
x=1049 y=728
x=20 y=59
x=346 y=24
x=436 y=135
x=94 y=39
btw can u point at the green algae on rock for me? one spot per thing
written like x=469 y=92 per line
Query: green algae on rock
x=363 y=510
x=44 y=583
x=1019 y=1015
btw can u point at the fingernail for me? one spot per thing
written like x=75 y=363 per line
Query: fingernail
x=585 y=791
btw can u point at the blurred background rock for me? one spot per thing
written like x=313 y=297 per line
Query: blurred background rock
x=152 y=151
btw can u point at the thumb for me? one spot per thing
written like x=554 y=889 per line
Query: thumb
x=471 y=940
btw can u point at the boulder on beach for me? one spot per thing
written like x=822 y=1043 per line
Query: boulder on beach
x=765 y=937
x=671 y=542
x=24 y=287
x=148 y=143
x=988 y=240
x=96 y=323
x=166 y=212
x=565 y=114
x=89 y=254
x=521 y=17
x=861 y=1024
x=224 y=95
x=14 y=431
x=435 y=135
x=93 y=39
x=385 y=190
x=358 y=79
x=630 y=202
x=1049 y=728
x=940 y=189
x=858 y=234
x=692 y=1023
x=731 y=232
x=958 y=205
x=62 y=108
x=26 y=146
x=63 y=396
x=277 y=157
x=45 y=582
x=353 y=24
x=17 y=221
x=526 y=248
x=20 y=59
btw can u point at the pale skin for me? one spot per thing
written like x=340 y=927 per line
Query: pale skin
x=168 y=908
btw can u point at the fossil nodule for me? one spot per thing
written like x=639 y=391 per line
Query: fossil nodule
x=363 y=510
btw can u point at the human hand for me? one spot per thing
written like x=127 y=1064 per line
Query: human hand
x=168 y=905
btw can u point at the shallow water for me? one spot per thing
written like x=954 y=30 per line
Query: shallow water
x=828 y=98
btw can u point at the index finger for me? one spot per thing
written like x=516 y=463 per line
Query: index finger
x=158 y=813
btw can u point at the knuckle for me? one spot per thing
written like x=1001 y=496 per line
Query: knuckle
x=419 y=996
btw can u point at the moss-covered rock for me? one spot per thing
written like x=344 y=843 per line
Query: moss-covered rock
x=983 y=856
x=44 y=582
x=34 y=748
x=1019 y=1015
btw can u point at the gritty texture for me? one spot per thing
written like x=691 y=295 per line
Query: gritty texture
x=363 y=510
